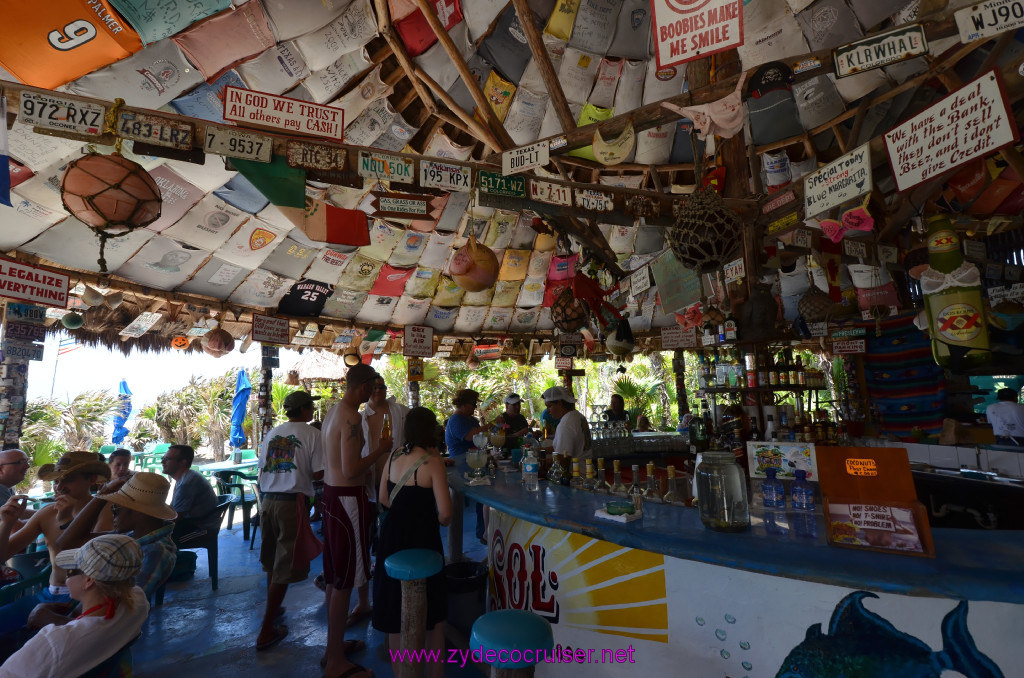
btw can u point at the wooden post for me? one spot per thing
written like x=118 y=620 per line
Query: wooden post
x=679 y=369
x=414 y=625
x=414 y=393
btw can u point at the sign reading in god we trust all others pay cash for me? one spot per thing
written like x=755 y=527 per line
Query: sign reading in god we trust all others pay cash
x=969 y=123
x=691 y=29
x=835 y=183
x=269 y=110
x=880 y=50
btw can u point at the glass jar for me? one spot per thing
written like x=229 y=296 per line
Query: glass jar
x=722 y=492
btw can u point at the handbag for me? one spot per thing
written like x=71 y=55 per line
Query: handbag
x=382 y=514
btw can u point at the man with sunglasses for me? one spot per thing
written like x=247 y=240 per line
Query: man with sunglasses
x=13 y=467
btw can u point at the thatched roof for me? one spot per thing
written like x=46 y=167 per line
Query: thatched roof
x=320 y=366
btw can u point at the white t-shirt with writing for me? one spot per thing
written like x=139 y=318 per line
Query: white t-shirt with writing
x=289 y=456
x=572 y=437
x=1007 y=418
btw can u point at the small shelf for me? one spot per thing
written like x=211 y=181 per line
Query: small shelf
x=760 y=389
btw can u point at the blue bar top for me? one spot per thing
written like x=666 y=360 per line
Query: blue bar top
x=968 y=564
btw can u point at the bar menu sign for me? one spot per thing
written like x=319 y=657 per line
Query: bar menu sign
x=969 y=123
x=844 y=179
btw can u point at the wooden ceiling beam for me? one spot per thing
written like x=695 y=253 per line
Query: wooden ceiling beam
x=547 y=71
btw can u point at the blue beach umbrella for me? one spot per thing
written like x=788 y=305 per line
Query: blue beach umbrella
x=242 y=390
x=121 y=417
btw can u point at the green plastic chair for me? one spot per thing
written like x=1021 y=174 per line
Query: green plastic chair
x=248 y=454
x=106 y=450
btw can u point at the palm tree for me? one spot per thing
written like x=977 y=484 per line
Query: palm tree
x=639 y=393
x=84 y=419
x=214 y=397
x=279 y=391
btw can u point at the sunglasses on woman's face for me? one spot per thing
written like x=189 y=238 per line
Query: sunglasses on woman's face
x=72 y=572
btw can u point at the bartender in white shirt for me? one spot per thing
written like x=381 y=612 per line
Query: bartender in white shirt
x=572 y=437
x=1007 y=418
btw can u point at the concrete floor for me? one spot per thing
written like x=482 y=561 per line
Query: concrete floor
x=201 y=632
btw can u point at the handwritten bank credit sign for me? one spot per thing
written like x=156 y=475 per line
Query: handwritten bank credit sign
x=691 y=29
x=267 y=329
x=841 y=180
x=969 y=123
x=268 y=110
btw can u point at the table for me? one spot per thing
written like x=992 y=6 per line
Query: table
x=226 y=465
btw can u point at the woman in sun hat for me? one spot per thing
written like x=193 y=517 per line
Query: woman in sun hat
x=100 y=576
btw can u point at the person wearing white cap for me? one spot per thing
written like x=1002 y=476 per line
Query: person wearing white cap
x=572 y=437
x=100 y=576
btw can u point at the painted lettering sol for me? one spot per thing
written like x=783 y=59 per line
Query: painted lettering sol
x=522 y=585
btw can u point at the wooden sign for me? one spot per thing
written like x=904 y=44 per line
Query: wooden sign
x=142 y=324
x=492 y=183
x=969 y=123
x=236 y=143
x=691 y=29
x=418 y=341
x=400 y=205
x=778 y=201
x=31 y=283
x=261 y=109
x=844 y=179
x=563 y=363
x=55 y=112
x=986 y=19
x=375 y=165
x=268 y=329
x=524 y=158
x=315 y=156
x=26 y=332
x=849 y=346
x=901 y=44
x=156 y=130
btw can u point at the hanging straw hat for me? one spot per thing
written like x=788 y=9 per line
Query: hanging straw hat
x=146 y=493
x=75 y=462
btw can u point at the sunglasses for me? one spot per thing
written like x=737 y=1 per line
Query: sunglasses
x=380 y=388
x=20 y=462
x=73 y=572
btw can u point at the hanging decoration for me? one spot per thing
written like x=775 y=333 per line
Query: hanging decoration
x=568 y=313
x=110 y=193
x=706 y=233
x=474 y=267
x=72 y=321
x=180 y=343
x=621 y=343
x=218 y=342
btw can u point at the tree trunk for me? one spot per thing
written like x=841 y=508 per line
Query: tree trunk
x=662 y=375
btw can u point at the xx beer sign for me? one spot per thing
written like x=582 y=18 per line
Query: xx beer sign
x=959 y=322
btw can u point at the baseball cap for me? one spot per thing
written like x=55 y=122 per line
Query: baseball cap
x=512 y=399
x=557 y=393
x=107 y=558
x=769 y=77
x=296 y=400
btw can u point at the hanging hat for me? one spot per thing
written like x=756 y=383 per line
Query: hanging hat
x=74 y=462
x=107 y=558
x=146 y=493
x=769 y=77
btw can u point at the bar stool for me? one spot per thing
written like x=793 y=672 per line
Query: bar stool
x=412 y=567
x=515 y=639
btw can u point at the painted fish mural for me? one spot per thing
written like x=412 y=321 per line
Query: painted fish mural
x=861 y=644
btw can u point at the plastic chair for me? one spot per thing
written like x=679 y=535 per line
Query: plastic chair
x=202 y=540
x=412 y=567
x=248 y=455
x=119 y=664
x=34 y=576
x=508 y=633
x=238 y=485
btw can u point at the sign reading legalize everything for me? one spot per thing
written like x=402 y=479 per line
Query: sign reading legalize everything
x=839 y=181
x=29 y=283
x=880 y=50
x=685 y=30
x=268 y=110
x=969 y=123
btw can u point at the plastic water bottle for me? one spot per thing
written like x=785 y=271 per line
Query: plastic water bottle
x=803 y=493
x=772 y=490
x=530 y=469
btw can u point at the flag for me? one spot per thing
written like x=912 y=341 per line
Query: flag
x=67 y=345
x=326 y=223
x=5 y=174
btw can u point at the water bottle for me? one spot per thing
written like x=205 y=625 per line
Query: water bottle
x=772 y=490
x=803 y=493
x=530 y=469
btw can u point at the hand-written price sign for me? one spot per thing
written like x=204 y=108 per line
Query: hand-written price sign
x=269 y=330
x=861 y=467
x=54 y=112
x=691 y=29
x=418 y=342
x=268 y=110
x=969 y=123
x=839 y=181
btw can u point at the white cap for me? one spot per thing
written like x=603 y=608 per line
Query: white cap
x=512 y=399
x=557 y=393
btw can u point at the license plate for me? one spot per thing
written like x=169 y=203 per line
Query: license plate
x=597 y=201
x=989 y=18
x=492 y=183
x=435 y=174
x=237 y=144
x=553 y=194
x=156 y=130
x=385 y=167
x=44 y=110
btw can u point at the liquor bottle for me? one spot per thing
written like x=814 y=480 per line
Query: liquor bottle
x=773 y=371
x=617 y=485
x=385 y=427
x=783 y=369
x=702 y=370
x=652 y=491
x=555 y=472
x=590 y=482
x=709 y=423
x=801 y=373
x=798 y=429
x=769 y=429
x=731 y=330
x=601 y=485
x=721 y=332
x=783 y=427
x=794 y=378
x=577 y=482
x=755 y=433
x=720 y=369
x=698 y=435
x=531 y=466
x=634 y=488
x=956 y=311
x=762 y=371
x=672 y=495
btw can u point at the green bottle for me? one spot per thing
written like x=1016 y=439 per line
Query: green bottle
x=956 y=313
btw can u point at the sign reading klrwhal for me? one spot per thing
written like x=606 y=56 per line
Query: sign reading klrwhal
x=841 y=180
x=685 y=30
x=269 y=110
x=880 y=50
x=969 y=123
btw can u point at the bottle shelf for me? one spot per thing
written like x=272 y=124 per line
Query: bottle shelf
x=759 y=389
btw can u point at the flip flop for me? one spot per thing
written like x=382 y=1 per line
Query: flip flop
x=356 y=668
x=320 y=582
x=279 y=634
x=356 y=617
x=351 y=647
x=280 y=612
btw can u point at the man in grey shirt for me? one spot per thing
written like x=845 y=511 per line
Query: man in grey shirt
x=13 y=467
x=194 y=498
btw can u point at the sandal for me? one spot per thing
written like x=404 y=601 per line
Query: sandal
x=279 y=634
x=356 y=616
x=351 y=647
x=356 y=668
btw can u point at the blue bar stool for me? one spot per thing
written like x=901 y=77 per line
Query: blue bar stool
x=412 y=567
x=513 y=641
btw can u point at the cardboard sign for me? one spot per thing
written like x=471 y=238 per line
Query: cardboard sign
x=25 y=313
x=269 y=329
x=849 y=346
x=691 y=29
x=142 y=324
x=269 y=110
x=418 y=341
x=524 y=158
x=901 y=44
x=400 y=205
x=837 y=182
x=493 y=183
x=639 y=281
x=989 y=18
x=25 y=332
x=385 y=166
x=969 y=123
x=30 y=283
x=676 y=337
x=446 y=176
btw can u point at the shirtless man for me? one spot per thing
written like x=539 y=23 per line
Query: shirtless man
x=72 y=476
x=347 y=520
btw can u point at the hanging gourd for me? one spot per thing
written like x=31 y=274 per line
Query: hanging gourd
x=474 y=267
x=568 y=313
x=218 y=342
x=110 y=194
x=620 y=343
x=180 y=343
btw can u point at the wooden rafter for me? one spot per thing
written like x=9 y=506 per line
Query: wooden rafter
x=547 y=71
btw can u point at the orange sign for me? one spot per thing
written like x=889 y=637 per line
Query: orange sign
x=861 y=467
